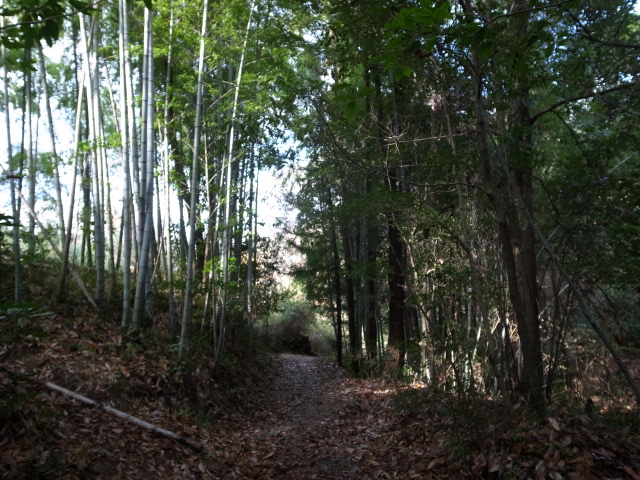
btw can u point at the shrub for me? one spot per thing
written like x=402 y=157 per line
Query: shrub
x=292 y=329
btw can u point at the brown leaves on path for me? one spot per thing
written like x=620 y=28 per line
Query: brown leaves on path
x=317 y=423
x=299 y=418
x=314 y=422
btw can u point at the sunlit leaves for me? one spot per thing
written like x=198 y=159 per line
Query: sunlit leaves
x=27 y=22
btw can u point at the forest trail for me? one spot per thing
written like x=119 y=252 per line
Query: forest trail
x=299 y=431
x=313 y=421
x=289 y=417
x=302 y=418
x=305 y=426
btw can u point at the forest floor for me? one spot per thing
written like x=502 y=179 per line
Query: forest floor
x=294 y=417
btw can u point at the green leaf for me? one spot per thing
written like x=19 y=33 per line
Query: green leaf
x=343 y=97
x=442 y=12
x=363 y=92
x=351 y=110
x=148 y=4
x=548 y=50
x=80 y=6
x=50 y=31
x=396 y=42
x=402 y=72
x=520 y=64
x=11 y=44
x=340 y=86
x=485 y=50
x=403 y=20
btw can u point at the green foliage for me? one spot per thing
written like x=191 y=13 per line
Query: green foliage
x=30 y=21
x=293 y=327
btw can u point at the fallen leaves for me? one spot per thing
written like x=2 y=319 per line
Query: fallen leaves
x=303 y=419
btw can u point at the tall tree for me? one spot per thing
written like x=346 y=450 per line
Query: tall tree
x=186 y=308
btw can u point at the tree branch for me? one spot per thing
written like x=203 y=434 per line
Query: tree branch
x=589 y=36
x=581 y=96
x=527 y=10
x=367 y=168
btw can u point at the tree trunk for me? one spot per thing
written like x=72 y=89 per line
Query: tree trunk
x=338 y=292
x=52 y=139
x=17 y=272
x=67 y=243
x=226 y=236
x=173 y=323
x=397 y=283
x=142 y=284
x=31 y=162
x=92 y=107
x=186 y=307
x=529 y=335
x=126 y=166
x=354 y=332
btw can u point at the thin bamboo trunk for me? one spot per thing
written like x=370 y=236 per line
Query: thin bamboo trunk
x=173 y=324
x=186 y=308
x=88 y=401
x=17 y=271
x=126 y=149
x=132 y=128
x=250 y=238
x=142 y=284
x=93 y=102
x=31 y=165
x=67 y=243
x=57 y=251
x=226 y=238
x=52 y=139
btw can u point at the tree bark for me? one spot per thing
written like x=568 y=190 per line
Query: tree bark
x=354 y=332
x=142 y=283
x=52 y=139
x=226 y=235
x=532 y=353
x=126 y=166
x=396 y=280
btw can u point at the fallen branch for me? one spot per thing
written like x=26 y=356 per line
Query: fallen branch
x=106 y=408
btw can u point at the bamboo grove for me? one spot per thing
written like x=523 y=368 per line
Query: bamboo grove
x=468 y=204
x=171 y=117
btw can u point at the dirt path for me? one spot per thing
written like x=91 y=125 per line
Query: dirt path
x=311 y=425
x=307 y=420
x=301 y=427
